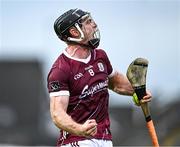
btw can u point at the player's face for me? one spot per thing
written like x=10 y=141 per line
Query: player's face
x=89 y=28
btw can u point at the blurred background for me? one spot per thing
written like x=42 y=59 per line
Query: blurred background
x=129 y=29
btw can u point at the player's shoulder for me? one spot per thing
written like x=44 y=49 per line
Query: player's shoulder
x=100 y=52
x=61 y=62
x=60 y=65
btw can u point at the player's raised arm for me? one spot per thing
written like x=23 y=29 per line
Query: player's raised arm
x=120 y=84
x=58 y=108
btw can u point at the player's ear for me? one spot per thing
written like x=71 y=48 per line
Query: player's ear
x=74 y=32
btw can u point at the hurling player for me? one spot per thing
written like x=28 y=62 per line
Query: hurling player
x=78 y=83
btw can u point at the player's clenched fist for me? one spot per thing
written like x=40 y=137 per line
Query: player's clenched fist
x=89 y=128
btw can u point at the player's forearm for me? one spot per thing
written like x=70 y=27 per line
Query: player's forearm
x=123 y=90
x=63 y=121
x=120 y=84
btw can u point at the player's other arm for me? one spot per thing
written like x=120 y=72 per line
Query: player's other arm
x=58 y=108
x=120 y=84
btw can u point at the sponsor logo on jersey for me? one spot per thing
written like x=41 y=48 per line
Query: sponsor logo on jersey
x=54 y=86
x=90 y=91
x=78 y=76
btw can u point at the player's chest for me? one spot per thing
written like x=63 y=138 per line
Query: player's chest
x=88 y=74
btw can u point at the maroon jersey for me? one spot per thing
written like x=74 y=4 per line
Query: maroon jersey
x=85 y=81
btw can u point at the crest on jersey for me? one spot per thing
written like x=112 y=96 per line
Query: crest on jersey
x=100 y=66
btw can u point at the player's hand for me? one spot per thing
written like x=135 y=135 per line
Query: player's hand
x=89 y=128
x=146 y=98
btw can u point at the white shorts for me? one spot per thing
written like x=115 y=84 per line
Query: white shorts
x=90 y=143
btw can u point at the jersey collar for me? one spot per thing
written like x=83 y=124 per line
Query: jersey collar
x=77 y=59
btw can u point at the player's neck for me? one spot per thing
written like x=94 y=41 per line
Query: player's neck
x=77 y=51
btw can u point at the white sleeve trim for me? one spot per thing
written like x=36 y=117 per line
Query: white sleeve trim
x=111 y=74
x=60 y=93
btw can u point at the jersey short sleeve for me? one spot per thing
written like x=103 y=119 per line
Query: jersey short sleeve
x=58 y=82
